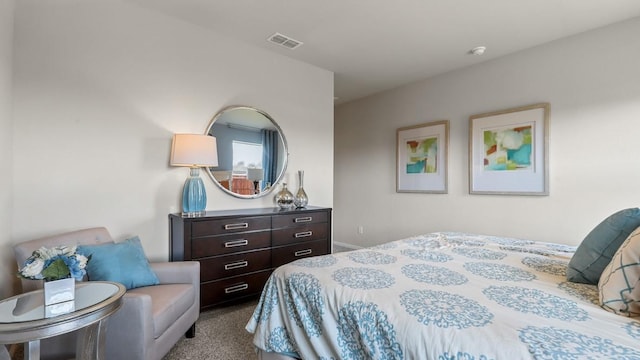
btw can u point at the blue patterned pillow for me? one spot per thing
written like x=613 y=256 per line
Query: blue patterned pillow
x=123 y=262
x=619 y=286
x=597 y=249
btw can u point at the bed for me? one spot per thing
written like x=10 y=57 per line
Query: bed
x=439 y=296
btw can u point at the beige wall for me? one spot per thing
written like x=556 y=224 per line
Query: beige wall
x=100 y=87
x=7 y=267
x=591 y=82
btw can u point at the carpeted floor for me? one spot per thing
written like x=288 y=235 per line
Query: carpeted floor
x=220 y=335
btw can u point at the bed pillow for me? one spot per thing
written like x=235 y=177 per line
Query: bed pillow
x=123 y=262
x=597 y=249
x=619 y=286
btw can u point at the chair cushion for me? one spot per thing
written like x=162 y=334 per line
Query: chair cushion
x=597 y=249
x=619 y=286
x=123 y=262
x=169 y=302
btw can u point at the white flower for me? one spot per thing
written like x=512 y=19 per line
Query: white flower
x=82 y=261
x=33 y=269
x=66 y=250
x=45 y=253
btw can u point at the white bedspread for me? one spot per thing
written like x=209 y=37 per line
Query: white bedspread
x=439 y=296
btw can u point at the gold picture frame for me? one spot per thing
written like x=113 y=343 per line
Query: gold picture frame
x=509 y=151
x=422 y=158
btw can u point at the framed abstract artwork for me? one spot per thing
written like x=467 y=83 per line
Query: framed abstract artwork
x=509 y=151
x=422 y=152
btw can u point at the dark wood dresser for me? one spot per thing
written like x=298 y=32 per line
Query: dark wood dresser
x=238 y=249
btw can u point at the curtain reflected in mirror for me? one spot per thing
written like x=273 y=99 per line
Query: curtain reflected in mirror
x=252 y=151
x=270 y=140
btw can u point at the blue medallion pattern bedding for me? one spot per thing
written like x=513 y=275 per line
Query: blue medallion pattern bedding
x=440 y=296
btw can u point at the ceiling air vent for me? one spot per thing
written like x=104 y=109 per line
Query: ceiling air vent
x=285 y=41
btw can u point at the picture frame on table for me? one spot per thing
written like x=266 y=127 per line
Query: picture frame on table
x=422 y=158
x=509 y=151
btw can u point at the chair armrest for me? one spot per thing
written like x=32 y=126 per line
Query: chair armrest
x=178 y=272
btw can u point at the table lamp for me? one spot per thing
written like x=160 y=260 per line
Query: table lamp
x=194 y=151
x=255 y=175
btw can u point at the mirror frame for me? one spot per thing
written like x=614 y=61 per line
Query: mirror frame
x=280 y=176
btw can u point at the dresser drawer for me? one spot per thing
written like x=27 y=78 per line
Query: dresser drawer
x=286 y=254
x=236 y=264
x=230 y=226
x=299 y=219
x=237 y=249
x=226 y=244
x=216 y=292
x=298 y=234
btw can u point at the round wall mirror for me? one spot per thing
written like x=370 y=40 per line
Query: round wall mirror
x=252 y=151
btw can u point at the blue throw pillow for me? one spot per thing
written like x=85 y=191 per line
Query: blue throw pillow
x=123 y=262
x=597 y=249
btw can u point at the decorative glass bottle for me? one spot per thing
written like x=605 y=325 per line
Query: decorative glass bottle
x=284 y=198
x=301 y=200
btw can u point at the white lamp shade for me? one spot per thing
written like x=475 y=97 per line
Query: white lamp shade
x=255 y=174
x=194 y=150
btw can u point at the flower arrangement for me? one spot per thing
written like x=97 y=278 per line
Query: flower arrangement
x=57 y=263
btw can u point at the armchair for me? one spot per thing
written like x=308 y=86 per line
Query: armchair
x=152 y=318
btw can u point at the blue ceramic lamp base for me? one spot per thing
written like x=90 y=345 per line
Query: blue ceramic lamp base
x=194 y=196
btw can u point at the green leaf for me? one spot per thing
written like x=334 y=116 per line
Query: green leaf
x=56 y=270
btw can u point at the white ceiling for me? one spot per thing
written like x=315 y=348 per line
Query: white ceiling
x=376 y=45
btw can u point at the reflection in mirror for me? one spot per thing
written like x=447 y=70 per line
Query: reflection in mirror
x=252 y=151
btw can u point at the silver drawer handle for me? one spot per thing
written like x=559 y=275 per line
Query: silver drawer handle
x=303 y=219
x=235 y=243
x=302 y=252
x=303 y=234
x=236 y=288
x=236 y=226
x=236 y=265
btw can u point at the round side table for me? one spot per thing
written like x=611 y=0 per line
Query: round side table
x=25 y=319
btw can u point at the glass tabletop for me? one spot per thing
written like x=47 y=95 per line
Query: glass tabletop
x=30 y=306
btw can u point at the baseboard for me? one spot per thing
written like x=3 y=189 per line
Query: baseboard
x=347 y=246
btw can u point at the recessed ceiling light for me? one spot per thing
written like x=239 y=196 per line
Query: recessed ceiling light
x=478 y=50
